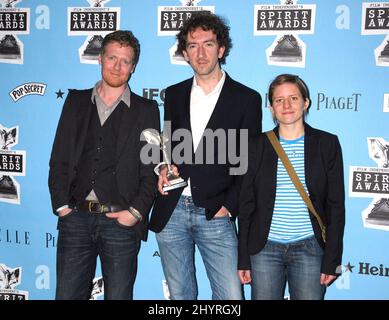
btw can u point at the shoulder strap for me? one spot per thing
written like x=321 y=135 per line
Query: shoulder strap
x=295 y=179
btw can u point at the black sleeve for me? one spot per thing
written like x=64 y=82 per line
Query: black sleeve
x=60 y=155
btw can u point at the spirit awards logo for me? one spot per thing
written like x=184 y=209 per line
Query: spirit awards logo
x=373 y=182
x=27 y=89
x=12 y=163
x=375 y=20
x=171 y=19
x=13 y=22
x=9 y=279
x=97 y=288
x=287 y=21
x=94 y=22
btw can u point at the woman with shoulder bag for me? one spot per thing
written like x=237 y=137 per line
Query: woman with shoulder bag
x=292 y=213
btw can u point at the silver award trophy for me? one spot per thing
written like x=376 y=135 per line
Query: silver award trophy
x=160 y=139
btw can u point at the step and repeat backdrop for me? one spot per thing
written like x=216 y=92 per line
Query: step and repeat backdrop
x=339 y=47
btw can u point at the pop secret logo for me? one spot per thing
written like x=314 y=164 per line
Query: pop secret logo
x=27 y=89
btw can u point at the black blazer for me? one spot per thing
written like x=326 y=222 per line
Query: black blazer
x=136 y=182
x=212 y=186
x=325 y=183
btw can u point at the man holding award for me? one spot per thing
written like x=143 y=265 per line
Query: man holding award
x=201 y=213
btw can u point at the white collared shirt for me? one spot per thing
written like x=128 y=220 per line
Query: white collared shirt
x=201 y=108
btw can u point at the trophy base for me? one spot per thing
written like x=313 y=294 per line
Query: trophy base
x=175 y=184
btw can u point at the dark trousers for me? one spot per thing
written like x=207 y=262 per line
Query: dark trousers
x=82 y=237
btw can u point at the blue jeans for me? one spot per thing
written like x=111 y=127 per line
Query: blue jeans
x=217 y=242
x=296 y=263
x=83 y=236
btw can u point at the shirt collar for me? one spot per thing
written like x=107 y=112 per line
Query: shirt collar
x=126 y=95
x=215 y=90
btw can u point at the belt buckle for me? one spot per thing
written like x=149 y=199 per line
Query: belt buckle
x=90 y=207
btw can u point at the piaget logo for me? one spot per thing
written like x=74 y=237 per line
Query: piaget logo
x=31 y=88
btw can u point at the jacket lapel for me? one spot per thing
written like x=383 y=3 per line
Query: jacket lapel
x=183 y=107
x=128 y=122
x=83 y=120
x=309 y=148
x=222 y=105
x=186 y=104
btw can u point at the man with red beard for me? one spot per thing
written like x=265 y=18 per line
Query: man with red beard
x=100 y=190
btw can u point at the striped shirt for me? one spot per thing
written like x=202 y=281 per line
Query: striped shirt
x=291 y=221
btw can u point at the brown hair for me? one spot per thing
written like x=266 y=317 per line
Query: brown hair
x=206 y=21
x=125 y=38
x=289 y=78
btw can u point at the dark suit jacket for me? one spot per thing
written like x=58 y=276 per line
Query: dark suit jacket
x=212 y=186
x=136 y=182
x=325 y=183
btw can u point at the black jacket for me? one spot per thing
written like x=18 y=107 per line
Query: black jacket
x=212 y=186
x=325 y=183
x=136 y=182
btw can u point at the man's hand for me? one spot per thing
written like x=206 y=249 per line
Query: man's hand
x=223 y=212
x=64 y=212
x=244 y=276
x=162 y=178
x=327 y=279
x=124 y=217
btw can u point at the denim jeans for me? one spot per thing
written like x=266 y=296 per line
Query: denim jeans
x=217 y=242
x=296 y=263
x=83 y=236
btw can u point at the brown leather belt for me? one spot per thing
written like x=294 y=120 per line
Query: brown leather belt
x=96 y=207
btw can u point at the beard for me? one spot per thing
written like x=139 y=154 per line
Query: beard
x=114 y=81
